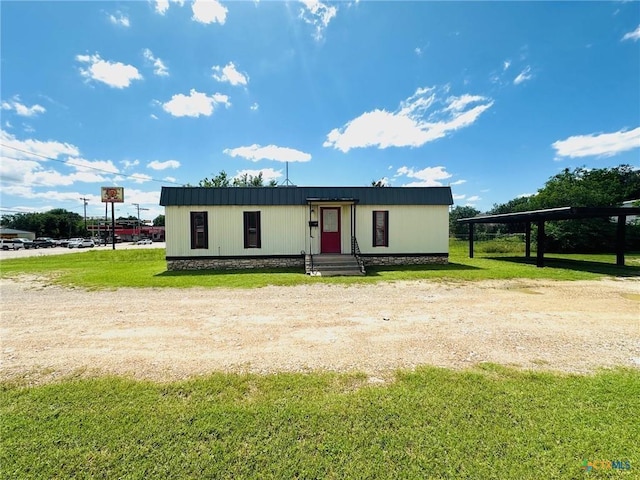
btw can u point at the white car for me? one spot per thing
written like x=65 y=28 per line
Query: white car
x=81 y=243
x=144 y=241
x=9 y=244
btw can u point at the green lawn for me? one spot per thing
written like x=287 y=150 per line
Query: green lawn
x=491 y=422
x=104 y=268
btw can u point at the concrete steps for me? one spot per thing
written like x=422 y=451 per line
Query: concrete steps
x=331 y=265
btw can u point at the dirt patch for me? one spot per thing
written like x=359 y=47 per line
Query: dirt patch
x=164 y=334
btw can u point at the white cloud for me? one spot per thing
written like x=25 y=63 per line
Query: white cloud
x=418 y=51
x=317 y=14
x=209 y=11
x=119 y=19
x=458 y=197
x=21 y=109
x=473 y=198
x=194 y=104
x=506 y=64
x=635 y=35
x=523 y=76
x=159 y=68
x=163 y=5
x=140 y=178
x=156 y=165
x=129 y=164
x=270 y=152
x=255 y=106
x=230 y=74
x=268 y=174
x=34 y=149
x=170 y=179
x=603 y=144
x=417 y=121
x=458 y=182
x=427 y=177
x=114 y=74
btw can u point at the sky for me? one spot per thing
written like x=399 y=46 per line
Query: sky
x=491 y=98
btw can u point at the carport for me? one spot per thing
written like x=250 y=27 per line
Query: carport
x=562 y=213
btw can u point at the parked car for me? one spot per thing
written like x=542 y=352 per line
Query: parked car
x=26 y=243
x=44 y=242
x=81 y=243
x=63 y=242
x=9 y=244
x=144 y=241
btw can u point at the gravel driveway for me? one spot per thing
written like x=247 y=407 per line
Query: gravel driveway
x=166 y=334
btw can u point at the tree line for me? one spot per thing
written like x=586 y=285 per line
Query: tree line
x=580 y=187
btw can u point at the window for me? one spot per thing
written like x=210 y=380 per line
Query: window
x=381 y=228
x=199 y=230
x=251 y=229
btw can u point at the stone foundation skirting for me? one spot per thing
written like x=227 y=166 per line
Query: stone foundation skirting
x=415 y=259
x=234 y=263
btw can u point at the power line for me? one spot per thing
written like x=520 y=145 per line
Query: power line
x=67 y=162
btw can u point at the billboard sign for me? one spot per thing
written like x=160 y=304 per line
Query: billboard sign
x=112 y=194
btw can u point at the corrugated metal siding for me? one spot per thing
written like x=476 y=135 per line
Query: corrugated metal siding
x=192 y=196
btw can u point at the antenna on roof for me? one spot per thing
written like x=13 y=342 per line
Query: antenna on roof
x=287 y=182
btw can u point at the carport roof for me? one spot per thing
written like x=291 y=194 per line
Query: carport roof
x=562 y=213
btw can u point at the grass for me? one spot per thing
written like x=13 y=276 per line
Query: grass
x=147 y=268
x=491 y=422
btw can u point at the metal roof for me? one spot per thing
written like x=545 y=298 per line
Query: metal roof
x=561 y=213
x=179 y=196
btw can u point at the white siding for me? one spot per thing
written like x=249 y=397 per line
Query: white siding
x=285 y=230
x=412 y=229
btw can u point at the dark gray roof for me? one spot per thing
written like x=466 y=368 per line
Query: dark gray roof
x=561 y=213
x=174 y=196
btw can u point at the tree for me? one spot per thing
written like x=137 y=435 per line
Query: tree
x=244 y=180
x=158 y=221
x=57 y=223
x=456 y=228
x=599 y=187
x=380 y=183
x=220 y=180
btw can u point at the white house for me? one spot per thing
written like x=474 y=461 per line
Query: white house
x=252 y=227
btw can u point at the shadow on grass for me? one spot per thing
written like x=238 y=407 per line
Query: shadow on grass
x=373 y=271
x=600 y=268
x=210 y=272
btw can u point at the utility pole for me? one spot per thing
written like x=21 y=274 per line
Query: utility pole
x=86 y=202
x=137 y=205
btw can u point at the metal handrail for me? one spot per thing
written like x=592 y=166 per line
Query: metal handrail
x=355 y=250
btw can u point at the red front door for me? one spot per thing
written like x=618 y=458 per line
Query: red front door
x=330 y=230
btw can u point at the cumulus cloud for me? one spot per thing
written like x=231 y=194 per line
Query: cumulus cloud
x=21 y=109
x=602 y=144
x=230 y=74
x=156 y=165
x=635 y=35
x=194 y=104
x=159 y=68
x=114 y=74
x=255 y=106
x=163 y=5
x=523 y=76
x=209 y=11
x=270 y=152
x=427 y=177
x=318 y=15
x=427 y=115
x=34 y=149
x=119 y=19
x=268 y=174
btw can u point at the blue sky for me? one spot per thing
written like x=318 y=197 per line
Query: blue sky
x=492 y=98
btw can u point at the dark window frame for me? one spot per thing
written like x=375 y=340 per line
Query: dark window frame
x=385 y=237
x=248 y=225
x=196 y=228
